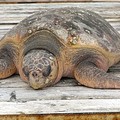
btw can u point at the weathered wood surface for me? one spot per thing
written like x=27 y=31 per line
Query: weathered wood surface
x=16 y=97
x=50 y=1
x=14 y=89
x=102 y=116
x=11 y=14
x=58 y=106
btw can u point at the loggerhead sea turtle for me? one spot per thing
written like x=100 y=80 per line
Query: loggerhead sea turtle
x=63 y=42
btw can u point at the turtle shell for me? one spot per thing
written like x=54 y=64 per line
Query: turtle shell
x=75 y=27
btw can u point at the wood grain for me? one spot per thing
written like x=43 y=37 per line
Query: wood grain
x=58 y=106
x=66 y=89
x=50 y=1
x=16 y=97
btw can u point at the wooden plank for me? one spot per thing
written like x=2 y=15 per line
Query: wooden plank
x=15 y=13
x=90 y=4
x=95 y=116
x=50 y=1
x=102 y=116
x=31 y=7
x=56 y=93
x=58 y=106
x=67 y=89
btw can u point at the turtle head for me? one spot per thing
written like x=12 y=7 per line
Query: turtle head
x=40 y=67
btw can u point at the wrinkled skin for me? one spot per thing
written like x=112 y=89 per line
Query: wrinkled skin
x=64 y=42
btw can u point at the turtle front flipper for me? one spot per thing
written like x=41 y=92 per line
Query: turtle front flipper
x=7 y=67
x=88 y=74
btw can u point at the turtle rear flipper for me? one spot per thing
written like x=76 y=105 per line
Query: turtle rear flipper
x=90 y=75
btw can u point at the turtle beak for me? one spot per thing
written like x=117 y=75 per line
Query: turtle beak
x=37 y=80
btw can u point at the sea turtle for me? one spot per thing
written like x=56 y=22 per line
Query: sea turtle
x=61 y=42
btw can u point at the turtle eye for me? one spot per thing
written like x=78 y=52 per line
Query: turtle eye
x=47 y=71
x=26 y=71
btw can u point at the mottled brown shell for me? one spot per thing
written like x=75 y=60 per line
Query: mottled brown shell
x=75 y=27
